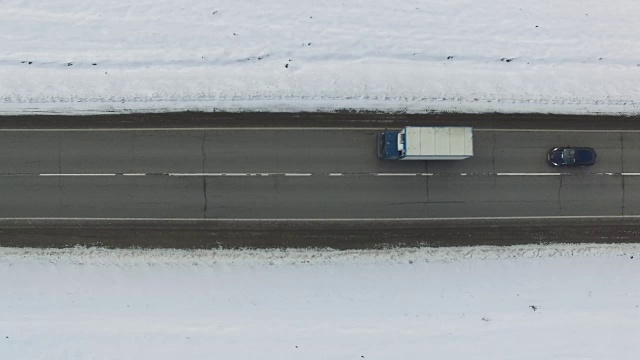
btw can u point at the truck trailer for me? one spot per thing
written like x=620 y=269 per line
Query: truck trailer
x=426 y=143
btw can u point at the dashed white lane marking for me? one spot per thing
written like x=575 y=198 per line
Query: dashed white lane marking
x=531 y=174
x=396 y=174
x=235 y=174
x=216 y=174
x=230 y=174
x=77 y=174
x=188 y=174
x=319 y=174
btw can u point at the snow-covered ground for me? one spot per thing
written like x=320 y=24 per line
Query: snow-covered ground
x=525 y=302
x=571 y=56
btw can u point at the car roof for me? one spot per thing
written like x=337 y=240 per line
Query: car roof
x=585 y=154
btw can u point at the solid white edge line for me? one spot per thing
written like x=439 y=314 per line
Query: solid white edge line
x=331 y=174
x=568 y=217
x=204 y=129
x=561 y=130
x=311 y=129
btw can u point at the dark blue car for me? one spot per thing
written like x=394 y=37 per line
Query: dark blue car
x=572 y=156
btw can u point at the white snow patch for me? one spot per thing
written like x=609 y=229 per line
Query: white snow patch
x=575 y=56
x=524 y=302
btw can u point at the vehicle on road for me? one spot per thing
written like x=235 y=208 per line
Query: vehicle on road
x=572 y=156
x=426 y=143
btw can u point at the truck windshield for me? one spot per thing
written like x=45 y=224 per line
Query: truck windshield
x=380 y=146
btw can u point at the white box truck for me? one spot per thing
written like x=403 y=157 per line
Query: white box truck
x=426 y=143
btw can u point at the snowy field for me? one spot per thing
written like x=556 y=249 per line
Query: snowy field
x=573 y=56
x=525 y=302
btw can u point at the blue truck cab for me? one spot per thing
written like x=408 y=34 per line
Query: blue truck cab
x=387 y=148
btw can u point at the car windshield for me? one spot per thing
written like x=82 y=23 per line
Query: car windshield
x=568 y=155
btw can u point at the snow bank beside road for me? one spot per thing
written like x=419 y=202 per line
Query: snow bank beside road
x=526 y=302
x=496 y=55
x=247 y=257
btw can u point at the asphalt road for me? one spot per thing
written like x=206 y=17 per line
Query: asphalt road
x=69 y=184
x=306 y=174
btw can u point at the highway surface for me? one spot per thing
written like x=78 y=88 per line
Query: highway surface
x=306 y=174
x=233 y=180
